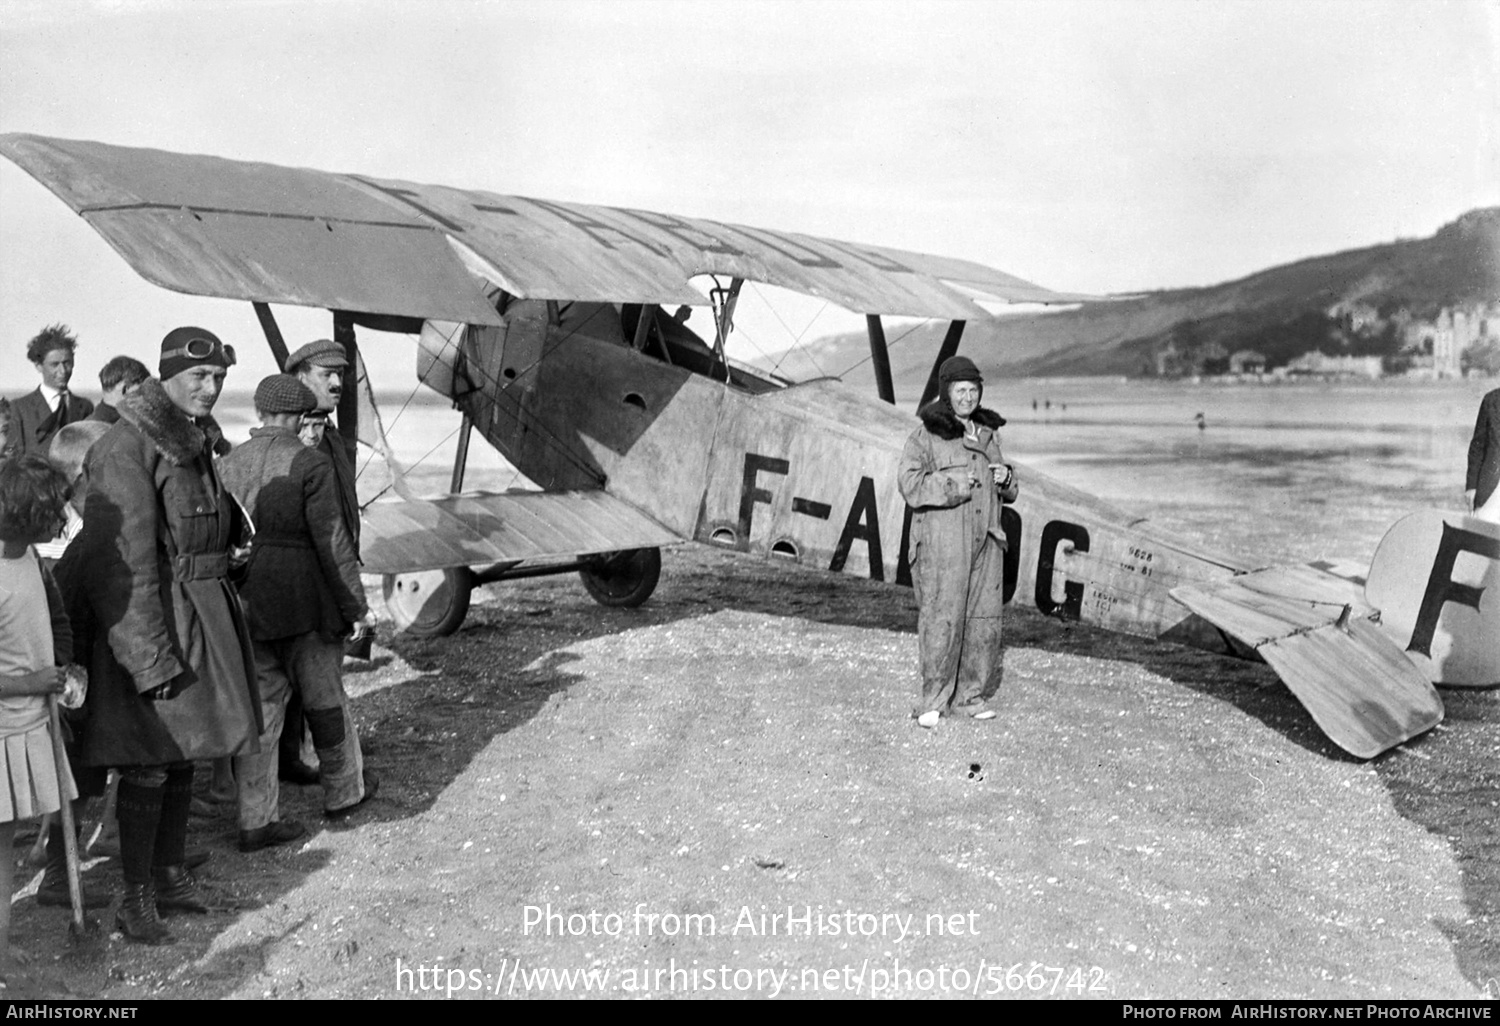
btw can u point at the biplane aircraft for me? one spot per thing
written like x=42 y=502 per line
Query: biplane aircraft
x=545 y=324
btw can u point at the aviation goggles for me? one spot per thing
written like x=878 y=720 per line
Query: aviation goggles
x=200 y=349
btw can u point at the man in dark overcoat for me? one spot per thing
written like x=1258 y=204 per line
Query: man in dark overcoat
x=39 y=414
x=171 y=673
x=302 y=597
x=1482 y=481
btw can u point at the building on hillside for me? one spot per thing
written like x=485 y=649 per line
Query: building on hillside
x=1321 y=365
x=1169 y=361
x=1211 y=358
x=1417 y=336
x=1247 y=361
x=1445 y=346
x=1353 y=315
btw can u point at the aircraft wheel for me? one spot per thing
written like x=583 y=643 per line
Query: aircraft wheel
x=623 y=578
x=429 y=603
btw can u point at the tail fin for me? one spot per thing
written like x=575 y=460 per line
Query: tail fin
x=1436 y=580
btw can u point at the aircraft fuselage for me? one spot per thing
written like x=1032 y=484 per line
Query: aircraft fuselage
x=805 y=473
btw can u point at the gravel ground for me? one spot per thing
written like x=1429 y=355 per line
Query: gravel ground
x=720 y=793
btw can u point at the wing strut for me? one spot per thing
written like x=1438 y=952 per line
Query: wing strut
x=272 y=332
x=724 y=302
x=947 y=349
x=880 y=357
x=644 y=322
x=343 y=334
x=461 y=457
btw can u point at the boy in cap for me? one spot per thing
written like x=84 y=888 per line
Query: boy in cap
x=302 y=596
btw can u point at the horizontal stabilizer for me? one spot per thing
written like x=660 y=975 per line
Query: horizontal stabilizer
x=480 y=529
x=1360 y=688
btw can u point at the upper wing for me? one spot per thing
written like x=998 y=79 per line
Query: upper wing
x=237 y=230
x=241 y=230
x=482 y=528
x=1315 y=631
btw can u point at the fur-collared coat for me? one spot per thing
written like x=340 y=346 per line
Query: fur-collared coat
x=148 y=573
x=956 y=554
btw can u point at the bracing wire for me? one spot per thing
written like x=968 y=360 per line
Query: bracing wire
x=888 y=346
x=796 y=336
x=501 y=387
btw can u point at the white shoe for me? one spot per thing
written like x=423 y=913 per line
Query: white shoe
x=985 y=714
x=929 y=719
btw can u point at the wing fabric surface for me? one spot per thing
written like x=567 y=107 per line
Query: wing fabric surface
x=237 y=230
x=1314 y=631
x=478 y=529
x=240 y=230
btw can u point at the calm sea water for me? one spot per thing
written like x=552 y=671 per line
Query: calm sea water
x=1278 y=472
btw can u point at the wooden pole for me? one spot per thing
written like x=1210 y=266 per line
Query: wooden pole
x=70 y=838
x=880 y=356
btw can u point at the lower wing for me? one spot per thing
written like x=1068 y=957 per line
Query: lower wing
x=479 y=529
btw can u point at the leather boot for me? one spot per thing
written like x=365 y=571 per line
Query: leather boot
x=177 y=891
x=137 y=918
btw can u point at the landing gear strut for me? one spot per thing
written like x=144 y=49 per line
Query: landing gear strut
x=432 y=603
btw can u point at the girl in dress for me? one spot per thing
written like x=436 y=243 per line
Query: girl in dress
x=32 y=497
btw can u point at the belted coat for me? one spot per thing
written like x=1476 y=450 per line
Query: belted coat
x=957 y=555
x=148 y=575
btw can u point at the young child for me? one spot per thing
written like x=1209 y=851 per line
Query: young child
x=32 y=496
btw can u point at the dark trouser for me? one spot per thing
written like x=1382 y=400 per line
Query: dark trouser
x=153 y=813
x=292 y=728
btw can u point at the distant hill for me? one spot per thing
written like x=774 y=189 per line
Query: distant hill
x=1281 y=307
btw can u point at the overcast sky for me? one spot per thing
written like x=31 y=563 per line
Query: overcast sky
x=1097 y=146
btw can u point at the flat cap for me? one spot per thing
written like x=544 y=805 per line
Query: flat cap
x=282 y=393
x=325 y=352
